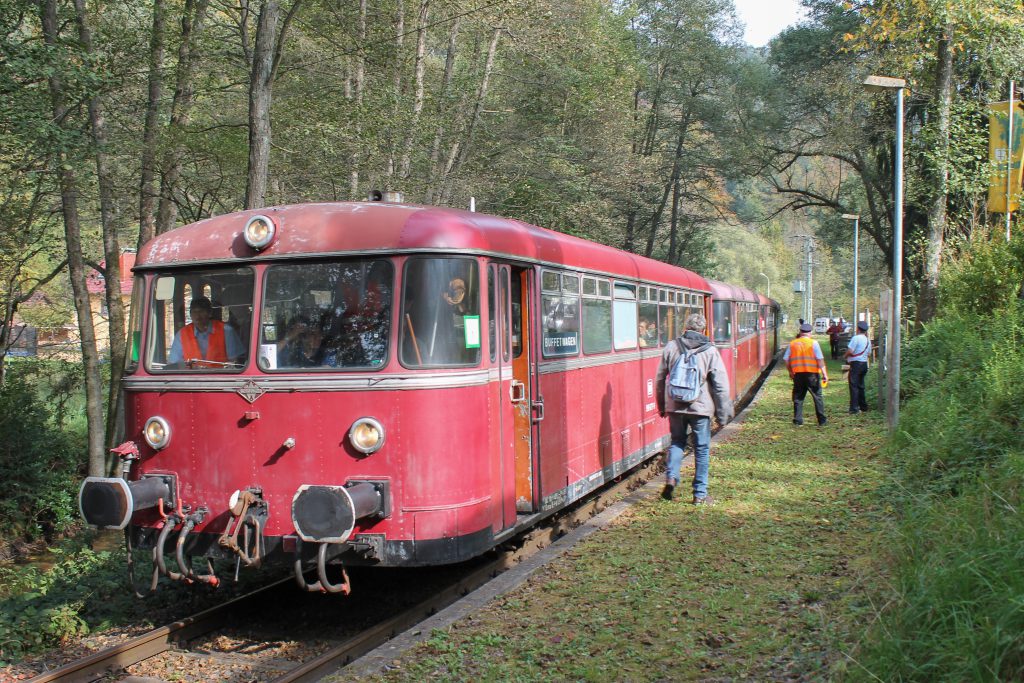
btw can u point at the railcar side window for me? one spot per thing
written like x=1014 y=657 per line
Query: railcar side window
x=561 y=304
x=200 y=320
x=134 y=346
x=492 y=319
x=326 y=315
x=647 y=328
x=671 y=326
x=440 y=319
x=682 y=310
x=597 y=316
x=625 y=319
x=747 y=314
x=723 y=321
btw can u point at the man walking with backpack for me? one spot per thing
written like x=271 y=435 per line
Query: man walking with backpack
x=692 y=385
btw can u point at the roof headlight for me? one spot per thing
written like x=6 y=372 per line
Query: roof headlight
x=366 y=435
x=259 y=232
x=157 y=432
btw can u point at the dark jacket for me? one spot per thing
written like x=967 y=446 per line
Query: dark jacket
x=714 y=393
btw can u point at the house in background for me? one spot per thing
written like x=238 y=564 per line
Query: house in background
x=64 y=341
x=96 y=284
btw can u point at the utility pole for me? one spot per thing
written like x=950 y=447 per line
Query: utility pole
x=808 y=309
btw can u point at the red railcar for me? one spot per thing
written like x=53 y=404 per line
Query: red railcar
x=744 y=330
x=397 y=385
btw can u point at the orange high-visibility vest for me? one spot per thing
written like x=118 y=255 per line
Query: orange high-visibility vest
x=216 y=347
x=801 y=355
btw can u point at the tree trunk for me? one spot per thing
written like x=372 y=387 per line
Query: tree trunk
x=628 y=242
x=417 y=105
x=684 y=127
x=260 y=93
x=673 y=230
x=111 y=247
x=357 y=93
x=76 y=262
x=928 y=302
x=460 y=150
x=181 y=110
x=399 y=41
x=436 y=172
x=147 y=186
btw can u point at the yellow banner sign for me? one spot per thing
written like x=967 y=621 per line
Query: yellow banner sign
x=999 y=155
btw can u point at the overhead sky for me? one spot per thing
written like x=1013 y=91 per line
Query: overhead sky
x=765 y=19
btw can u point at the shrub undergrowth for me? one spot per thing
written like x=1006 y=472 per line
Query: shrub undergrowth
x=957 y=613
x=42 y=450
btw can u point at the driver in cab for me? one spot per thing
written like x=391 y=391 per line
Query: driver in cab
x=205 y=343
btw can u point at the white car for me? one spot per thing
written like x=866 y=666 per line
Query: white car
x=821 y=325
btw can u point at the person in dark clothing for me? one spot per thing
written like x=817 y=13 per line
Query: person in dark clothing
x=807 y=370
x=693 y=417
x=856 y=355
x=834 y=330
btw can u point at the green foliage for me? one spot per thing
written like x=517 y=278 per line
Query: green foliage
x=956 y=612
x=964 y=377
x=41 y=452
x=43 y=608
x=986 y=278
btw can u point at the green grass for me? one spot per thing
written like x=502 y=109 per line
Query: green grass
x=956 y=604
x=774 y=582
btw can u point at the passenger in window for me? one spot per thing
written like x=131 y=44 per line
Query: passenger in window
x=302 y=346
x=452 y=322
x=647 y=333
x=455 y=296
x=360 y=338
x=205 y=343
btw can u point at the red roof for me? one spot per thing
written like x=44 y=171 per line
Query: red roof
x=724 y=291
x=367 y=227
x=96 y=283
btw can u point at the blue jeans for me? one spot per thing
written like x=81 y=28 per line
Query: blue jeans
x=681 y=426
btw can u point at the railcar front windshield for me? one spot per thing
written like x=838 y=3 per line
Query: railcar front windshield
x=326 y=315
x=200 y=320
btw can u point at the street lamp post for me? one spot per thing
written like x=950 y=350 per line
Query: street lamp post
x=856 y=248
x=882 y=84
x=769 y=294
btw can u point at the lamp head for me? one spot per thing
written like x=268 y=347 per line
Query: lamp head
x=883 y=83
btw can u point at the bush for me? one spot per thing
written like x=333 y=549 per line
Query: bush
x=985 y=279
x=964 y=381
x=42 y=455
x=958 y=472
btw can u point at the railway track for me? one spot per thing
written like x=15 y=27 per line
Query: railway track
x=180 y=638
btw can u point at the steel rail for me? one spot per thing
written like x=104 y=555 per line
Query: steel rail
x=152 y=643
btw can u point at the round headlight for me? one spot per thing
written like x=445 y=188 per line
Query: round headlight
x=366 y=435
x=259 y=232
x=157 y=432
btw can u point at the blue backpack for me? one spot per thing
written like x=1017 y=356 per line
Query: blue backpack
x=685 y=380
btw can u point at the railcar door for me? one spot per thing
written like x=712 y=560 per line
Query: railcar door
x=515 y=391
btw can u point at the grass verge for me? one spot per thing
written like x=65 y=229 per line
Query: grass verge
x=775 y=582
